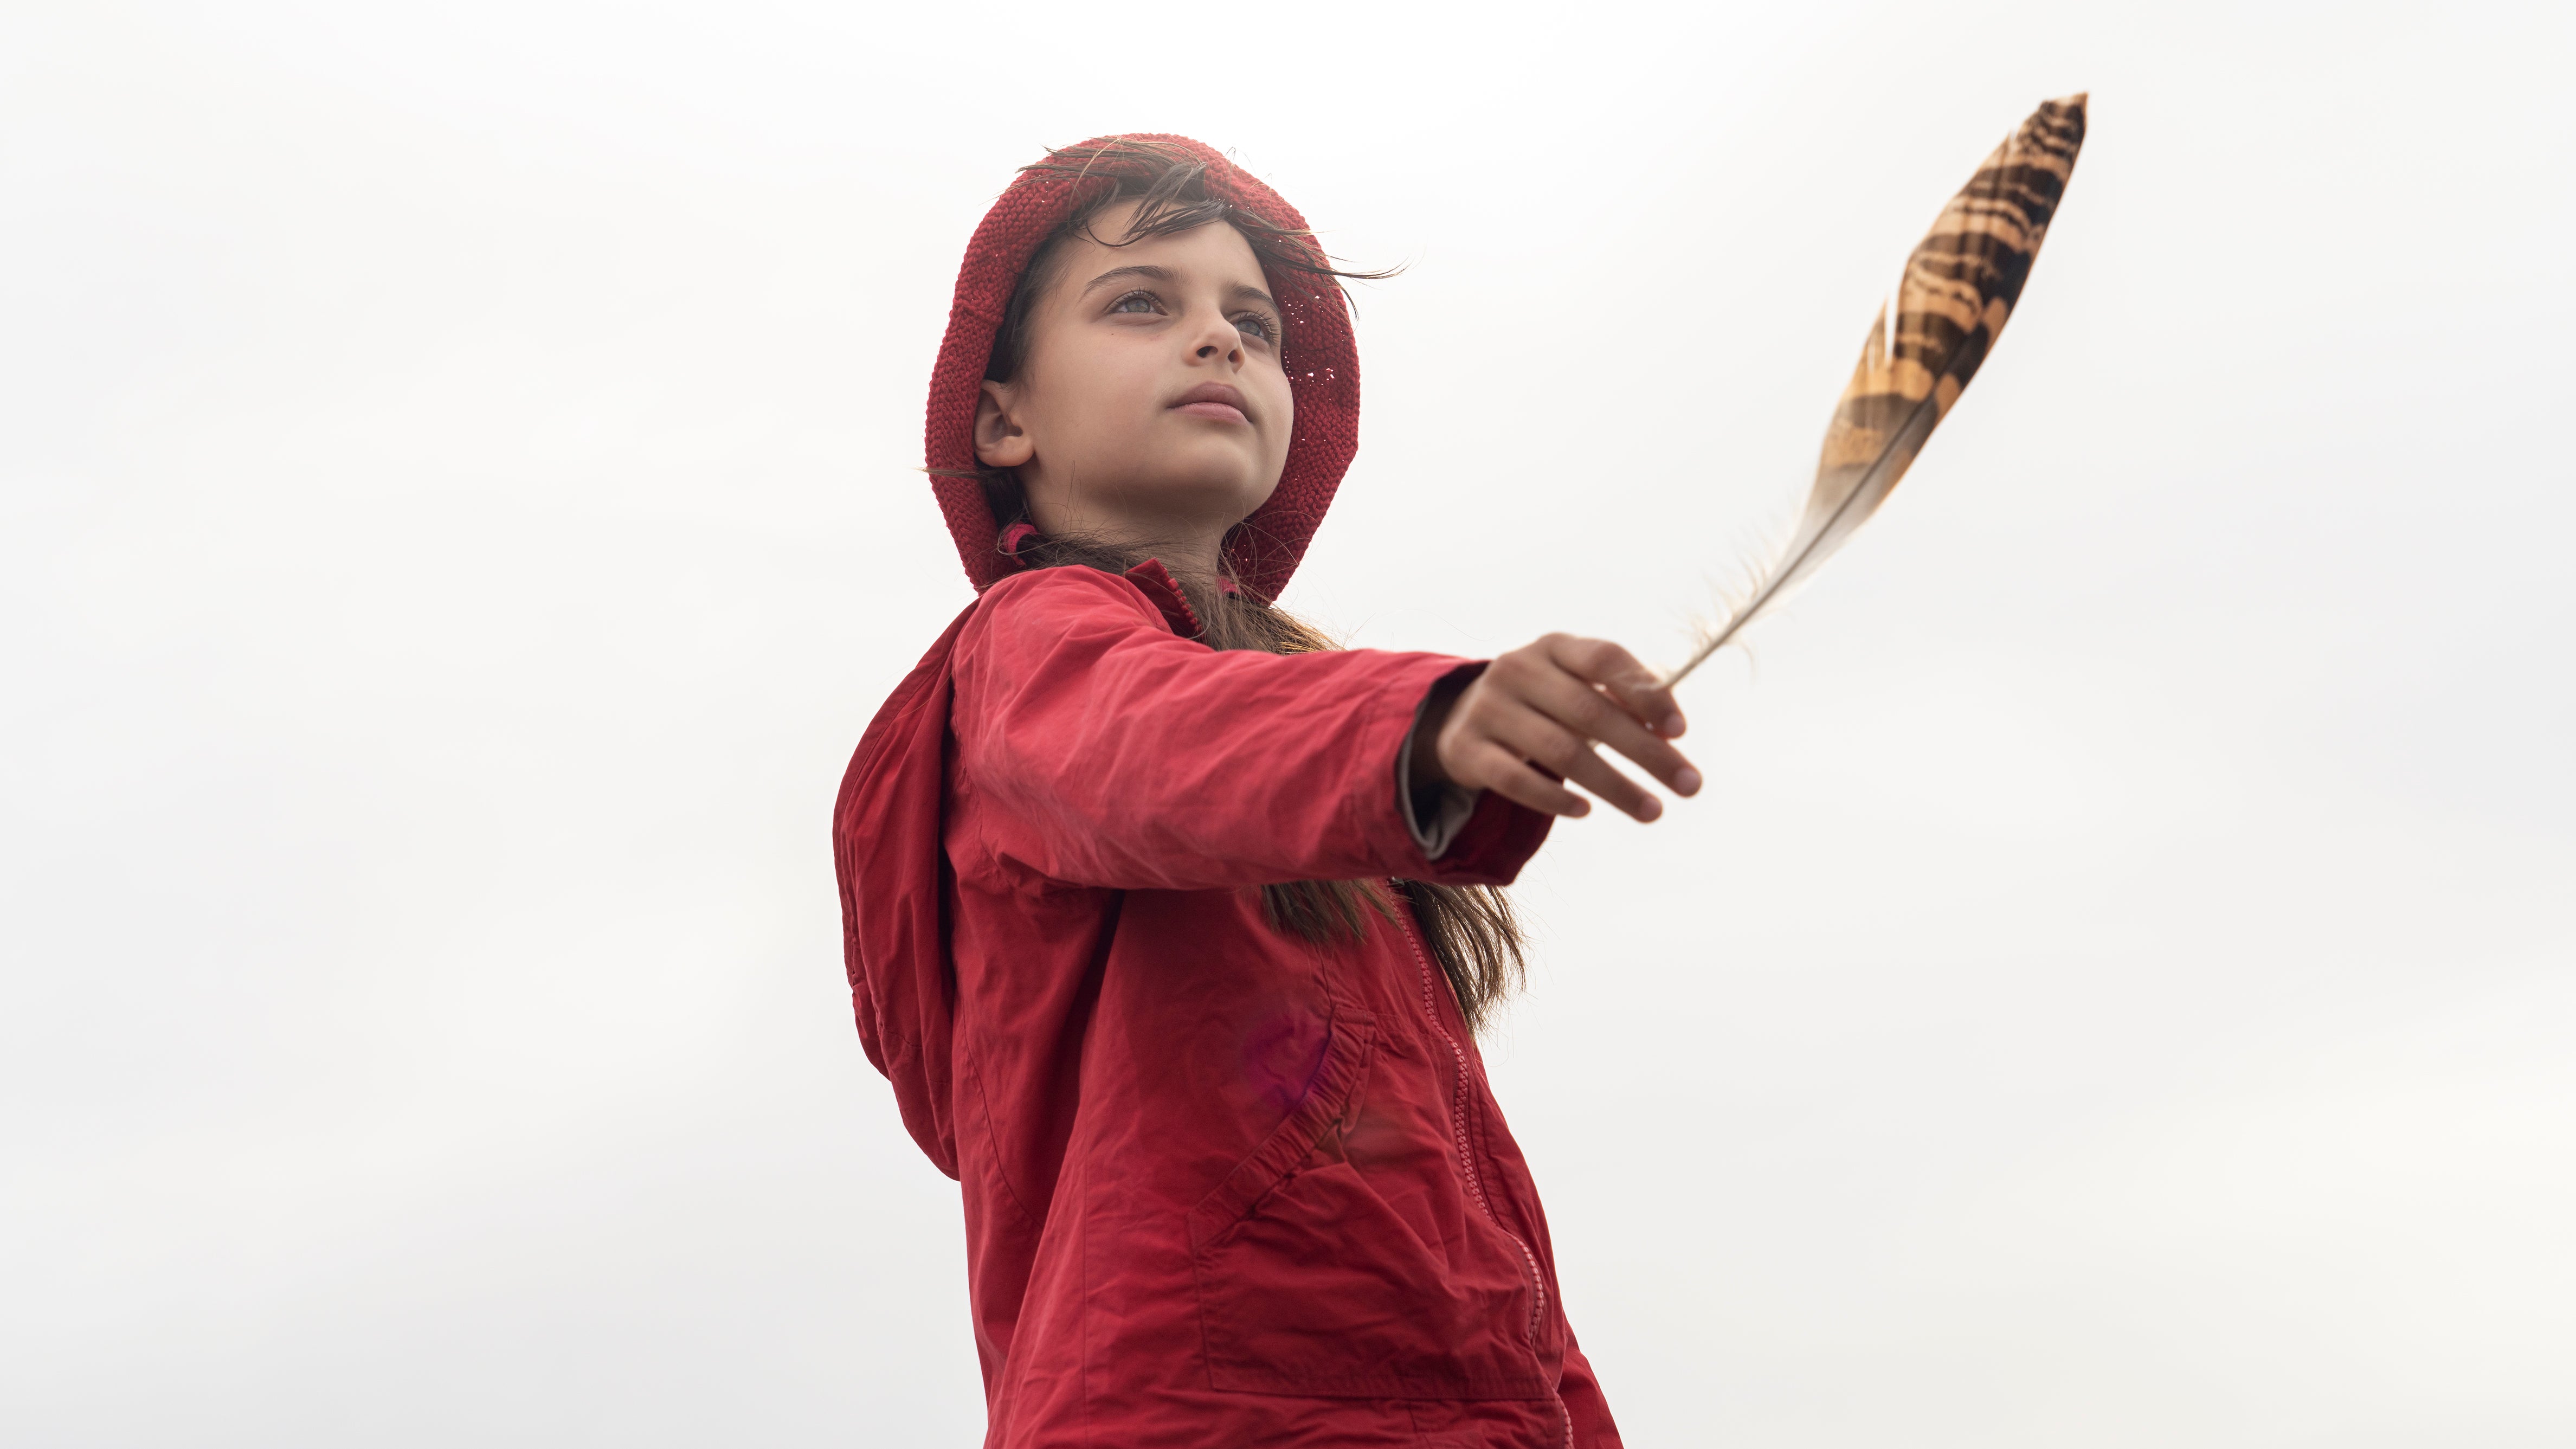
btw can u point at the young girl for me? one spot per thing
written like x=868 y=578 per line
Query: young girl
x=1170 y=923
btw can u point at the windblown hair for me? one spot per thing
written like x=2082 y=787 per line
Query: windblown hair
x=1169 y=187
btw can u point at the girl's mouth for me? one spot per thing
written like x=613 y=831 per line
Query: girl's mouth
x=1214 y=401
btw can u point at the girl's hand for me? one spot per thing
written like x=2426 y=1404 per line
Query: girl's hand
x=1533 y=717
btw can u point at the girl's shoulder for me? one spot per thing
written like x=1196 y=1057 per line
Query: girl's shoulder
x=1047 y=603
x=1070 y=586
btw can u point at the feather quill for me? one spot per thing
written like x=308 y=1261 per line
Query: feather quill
x=1958 y=289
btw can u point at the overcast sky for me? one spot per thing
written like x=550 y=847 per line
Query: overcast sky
x=2119 y=988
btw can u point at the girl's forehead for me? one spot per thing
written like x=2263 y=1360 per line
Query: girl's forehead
x=1212 y=252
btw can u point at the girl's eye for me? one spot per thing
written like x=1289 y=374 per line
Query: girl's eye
x=1137 y=302
x=1253 y=324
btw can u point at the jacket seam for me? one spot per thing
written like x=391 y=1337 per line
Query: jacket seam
x=993 y=1137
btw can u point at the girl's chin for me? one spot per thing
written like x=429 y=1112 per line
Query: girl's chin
x=1210 y=467
x=1228 y=495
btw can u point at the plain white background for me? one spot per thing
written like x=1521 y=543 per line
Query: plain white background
x=455 y=519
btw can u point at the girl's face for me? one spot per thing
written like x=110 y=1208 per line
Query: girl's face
x=1152 y=406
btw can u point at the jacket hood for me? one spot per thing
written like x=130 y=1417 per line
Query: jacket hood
x=888 y=851
x=1321 y=358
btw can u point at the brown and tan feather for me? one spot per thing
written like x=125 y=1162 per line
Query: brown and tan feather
x=1959 y=288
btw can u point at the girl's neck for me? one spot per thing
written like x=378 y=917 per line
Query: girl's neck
x=1195 y=559
x=1191 y=551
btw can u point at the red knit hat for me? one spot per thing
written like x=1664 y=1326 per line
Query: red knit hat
x=1322 y=361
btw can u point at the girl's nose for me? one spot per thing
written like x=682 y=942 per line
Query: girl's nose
x=1218 y=338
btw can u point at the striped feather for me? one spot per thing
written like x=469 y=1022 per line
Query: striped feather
x=1959 y=288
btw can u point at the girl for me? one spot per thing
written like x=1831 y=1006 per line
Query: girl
x=1172 y=925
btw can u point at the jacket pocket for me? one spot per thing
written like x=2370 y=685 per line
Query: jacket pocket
x=1309 y=1283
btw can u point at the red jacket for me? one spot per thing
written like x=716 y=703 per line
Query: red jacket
x=1222 y=1187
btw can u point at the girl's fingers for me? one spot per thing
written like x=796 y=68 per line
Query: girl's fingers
x=1619 y=674
x=1497 y=769
x=1542 y=741
x=1537 y=711
x=1578 y=706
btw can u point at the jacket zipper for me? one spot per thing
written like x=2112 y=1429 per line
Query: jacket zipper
x=1467 y=1154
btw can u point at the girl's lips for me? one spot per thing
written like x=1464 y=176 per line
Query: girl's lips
x=1214 y=401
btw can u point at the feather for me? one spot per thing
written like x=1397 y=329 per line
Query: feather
x=1958 y=289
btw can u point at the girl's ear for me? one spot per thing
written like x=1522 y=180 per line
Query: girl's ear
x=1000 y=441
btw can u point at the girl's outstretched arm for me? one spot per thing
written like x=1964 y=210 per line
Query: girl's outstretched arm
x=1116 y=754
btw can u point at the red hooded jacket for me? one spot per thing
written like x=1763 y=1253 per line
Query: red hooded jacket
x=1222 y=1187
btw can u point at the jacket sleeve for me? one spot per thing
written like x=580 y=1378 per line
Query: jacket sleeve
x=1097 y=748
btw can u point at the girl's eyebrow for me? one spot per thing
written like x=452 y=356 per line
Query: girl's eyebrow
x=1243 y=292
x=1121 y=274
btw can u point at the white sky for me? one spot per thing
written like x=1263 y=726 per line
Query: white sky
x=455 y=521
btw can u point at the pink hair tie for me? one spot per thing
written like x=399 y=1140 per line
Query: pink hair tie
x=1013 y=536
